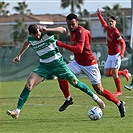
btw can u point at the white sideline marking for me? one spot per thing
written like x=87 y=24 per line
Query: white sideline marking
x=128 y=96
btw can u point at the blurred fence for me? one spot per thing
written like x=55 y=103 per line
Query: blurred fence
x=9 y=71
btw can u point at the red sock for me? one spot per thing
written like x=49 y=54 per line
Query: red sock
x=120 y=72
x=118 y=84
x=109 y=96
x=110 y=72
x=64 y=87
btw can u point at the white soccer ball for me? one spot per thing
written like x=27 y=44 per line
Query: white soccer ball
x=129 y=75
x=95 y=113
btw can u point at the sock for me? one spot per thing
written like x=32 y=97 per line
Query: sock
x=119 y=72
x=118 y=84
x=23 y=98
x=18 y=110
x=64 y=87
x=109 y=96
x=83 y=87
x=110 y=72
x=68 y=98
x=95 y=97
x=118 y=104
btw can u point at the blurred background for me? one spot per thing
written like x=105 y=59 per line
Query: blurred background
x=16 y=16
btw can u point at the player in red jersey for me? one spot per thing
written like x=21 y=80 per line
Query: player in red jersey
x=115 y=53
x=85 y=61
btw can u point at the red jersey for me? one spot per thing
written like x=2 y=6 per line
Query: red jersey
x=113 y=38
x=81 y=38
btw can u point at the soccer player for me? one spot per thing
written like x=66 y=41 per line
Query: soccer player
x=130 y=85
x=85 y=61
x=51 y=63
x=115 y=52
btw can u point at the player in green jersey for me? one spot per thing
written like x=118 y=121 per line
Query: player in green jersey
x=51 y=63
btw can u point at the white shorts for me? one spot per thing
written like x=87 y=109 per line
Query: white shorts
x=113 y=61
x=92 y=72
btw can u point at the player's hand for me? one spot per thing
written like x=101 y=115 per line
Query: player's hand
x=122 y=56
x=98 y=11
x=16 y=59
x=59 y=43
x=42 y=29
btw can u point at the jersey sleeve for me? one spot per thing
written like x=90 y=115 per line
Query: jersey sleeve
x=30 y=38
x=103 y=22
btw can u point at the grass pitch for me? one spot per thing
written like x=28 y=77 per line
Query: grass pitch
x=40 y=113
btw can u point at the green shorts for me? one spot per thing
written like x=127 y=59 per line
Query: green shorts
x=57 y=68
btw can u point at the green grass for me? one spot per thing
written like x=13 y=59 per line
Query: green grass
x=40 y=114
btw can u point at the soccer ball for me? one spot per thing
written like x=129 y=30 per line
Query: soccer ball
x=95 y=113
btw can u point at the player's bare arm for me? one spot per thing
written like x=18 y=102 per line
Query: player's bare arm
x=23 y=49
x=56 y=30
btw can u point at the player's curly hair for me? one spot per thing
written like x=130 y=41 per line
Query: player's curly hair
x=71 y=16
x=112 y=17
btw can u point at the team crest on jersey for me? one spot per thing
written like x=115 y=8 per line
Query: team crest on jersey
x=94 y=72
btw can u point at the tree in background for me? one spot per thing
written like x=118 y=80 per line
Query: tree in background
x=20 y=29
x=3 y=6
x=77 y=4
x=73 y=4
x=22 y=8
x=122 y=21
x=19 y=32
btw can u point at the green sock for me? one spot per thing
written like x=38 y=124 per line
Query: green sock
x=23 y=98
x=131 y=84
x=85 y=88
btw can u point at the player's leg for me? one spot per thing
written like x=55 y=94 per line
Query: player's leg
x=94 y=75
x=110 y=97
x=63 y=84
x=116 y=78
x=83 y=87
x=73 y=66
x=33 y=80
x=124 y=72
x=114 y=62
x=117 y=82
x=63 y=72
x=65 y=90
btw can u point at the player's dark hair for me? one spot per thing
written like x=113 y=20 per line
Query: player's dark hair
x=112 y=17
x=33 y=28
x=71 y=16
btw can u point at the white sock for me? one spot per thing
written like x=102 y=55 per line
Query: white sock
x=68 y=98
x=118 y=103
x=18 y=110
x=95 y=97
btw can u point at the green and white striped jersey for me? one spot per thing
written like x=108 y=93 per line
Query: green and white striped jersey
x=46 y=47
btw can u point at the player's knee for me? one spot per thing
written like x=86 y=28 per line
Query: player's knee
x=73 y=82
x=28 y=86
